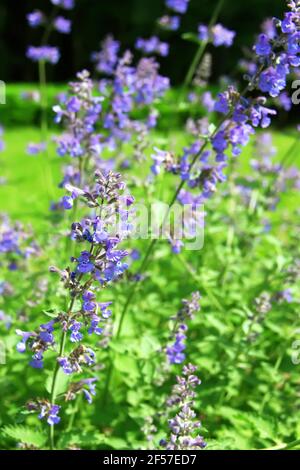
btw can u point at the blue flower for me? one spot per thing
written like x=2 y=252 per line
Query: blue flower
x=62 y=25
x=76 y=335
x=84 y=263
x=46 y=53
x=35 y=18
x=263 y=46
x=180 y=6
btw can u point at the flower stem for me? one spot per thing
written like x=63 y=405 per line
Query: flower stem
x=55 y=374
x=284 y=446
x=201 y=49
x=44 y=126
x=53 y=385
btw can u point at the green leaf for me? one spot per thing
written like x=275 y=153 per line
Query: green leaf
x=26 y=435
x=61 y=382
x=191 y=37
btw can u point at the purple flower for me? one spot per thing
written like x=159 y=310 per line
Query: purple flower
x=84 y=263
x=171 y=23
x=67 y=202
x=35 y=19
x=203 y=32
x=76 y=335
x=66 y=4
x=222 y=36
x=218 y=35
x=107 y=58
x=62 y=25
x=90 y=391
x=263 y=46
x=208 y=101
x=73 y=105
x=152 y=46
x=66 y=365
x=21 y=346
x=180 y=6
x=288 y=25
x=184 y=425
x=285 y=101
x=175 y=352
x=35 y=149
x=222 y=105
x=37 y=361
x=50 y=413
x=269 y=28
x=46 y=53
x=272 y=81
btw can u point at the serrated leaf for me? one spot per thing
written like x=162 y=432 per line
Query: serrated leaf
x=25 y=435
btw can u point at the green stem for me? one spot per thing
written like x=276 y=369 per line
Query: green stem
x=44 y=100
x=46 y=167
x=284 y=446
x=201 y=49
x=53 y=385
x=55 y=373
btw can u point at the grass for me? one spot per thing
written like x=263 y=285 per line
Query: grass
x=29 y=191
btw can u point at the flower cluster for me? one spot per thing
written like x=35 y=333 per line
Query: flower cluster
x=16 y=243
x=65 y=4
x=86 y=386
x=279 y=52
x=38 y=343
x=170 y=23
x=175 y=352
x=46 y=411
x=217 y=34
x=61 y=24
x=129 y=88
x=184 y=426
x=44 y=53
x=35 y=148
x=179 y=6
x=107 y=58
x=5 y=319
x=274 y=177
x=152 y=46
x=100 y=262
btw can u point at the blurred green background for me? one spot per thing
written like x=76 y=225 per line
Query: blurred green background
x=126 y=19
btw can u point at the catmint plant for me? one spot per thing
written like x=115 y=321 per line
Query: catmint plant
x=46 y=54
x=184 y=426
x=16 y=243
x=175 y=351
x=217 y=34
x=99 y=262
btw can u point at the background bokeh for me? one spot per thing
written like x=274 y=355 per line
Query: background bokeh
x=126 y=19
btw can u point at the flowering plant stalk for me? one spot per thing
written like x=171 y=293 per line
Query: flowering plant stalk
x=97 y=265
x=45 y=53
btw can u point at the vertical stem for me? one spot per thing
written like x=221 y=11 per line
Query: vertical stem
x=202 y=46
x=53 y=385
x=44 y=127
x=44 y=100
x=198 y=56
x=55 y=374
